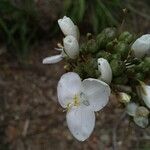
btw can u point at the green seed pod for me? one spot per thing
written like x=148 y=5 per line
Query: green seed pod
x=116 y=56
x=118 y=67
x=83 y=48
x=110 y=45
x=92 y=46
x=144 y=66
x=105 y=36
x=122 y=49
x=126 y=37
x=104 y=55
x=101 y=41
x=110 y=33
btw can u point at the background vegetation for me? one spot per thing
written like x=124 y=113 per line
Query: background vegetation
x=23 y=23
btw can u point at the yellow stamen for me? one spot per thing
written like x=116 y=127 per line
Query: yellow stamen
x=76 y=101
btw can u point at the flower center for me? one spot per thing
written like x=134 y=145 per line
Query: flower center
x=78 y=100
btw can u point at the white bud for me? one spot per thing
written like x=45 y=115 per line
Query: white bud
x=71 y=46
x=68 y=28
x=145 y=94
x=141 y=46
x=141 y=121
x=124 y=97
x=131 y=109
x=105 y=70
x=141 y=116
x=142 y=111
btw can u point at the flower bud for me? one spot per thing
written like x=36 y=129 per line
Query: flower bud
x=131 y=108
x=142 y=111
x=71 y=46
x=118 y=67
x=141 y=46
x=145 y=94
x=141 y=121
x=124 y=97
x=122 y=49
x=126 y=37
x=141 y=116
x=68 y=28
x=105 y=70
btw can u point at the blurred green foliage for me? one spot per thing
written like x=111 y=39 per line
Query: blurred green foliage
x=18 y=26
x=99 y=13
x=20 y=20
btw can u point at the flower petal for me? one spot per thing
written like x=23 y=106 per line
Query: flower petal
x=97 y=93
x=81 y=122
x=141 y=46
x=71 y=46
x=52 y=59
x=105 y=70
x=69 y=85
x=67 y=26
x=145 y=93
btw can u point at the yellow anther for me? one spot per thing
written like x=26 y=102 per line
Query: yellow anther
x=76 y=101
x=68 y=106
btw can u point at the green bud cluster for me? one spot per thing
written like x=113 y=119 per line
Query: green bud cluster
x=114 y=47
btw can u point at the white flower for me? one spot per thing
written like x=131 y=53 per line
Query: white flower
x=70 y=49
x=141 y=46
x=145 y=94
x=68 y=28
x=105 y=70
x=81 y=98
x=131 y=108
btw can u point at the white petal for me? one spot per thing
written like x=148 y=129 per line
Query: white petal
x=52 y=59
x=97 y=93
x=69 y=85
x=81 y=122
x=141 y=121
x=145 y=93
x=141 y=46
x=77 y=32
x=131 y=109
x=71 y=46
x=105 y=70
x=67 y=26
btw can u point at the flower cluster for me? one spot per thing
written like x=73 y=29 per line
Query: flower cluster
x=109 y=63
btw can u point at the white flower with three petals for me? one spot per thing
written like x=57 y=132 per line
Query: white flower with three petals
x=82 y=99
